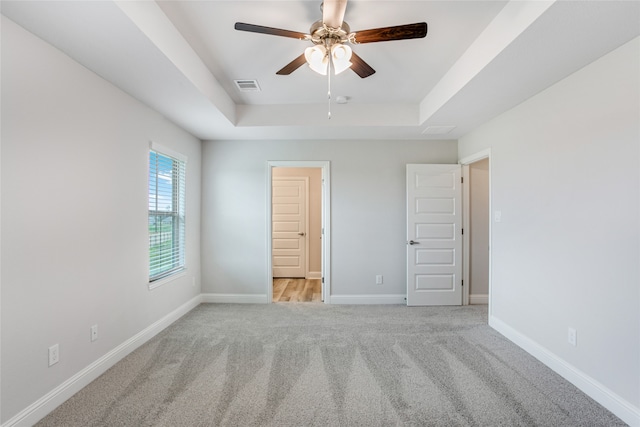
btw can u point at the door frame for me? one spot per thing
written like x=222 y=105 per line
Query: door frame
x=466 y=221
x=326 y=222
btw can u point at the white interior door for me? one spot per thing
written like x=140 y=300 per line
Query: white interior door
x=289 y=226
x=434 y=235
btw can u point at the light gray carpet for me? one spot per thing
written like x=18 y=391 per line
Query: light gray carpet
x=295 y=364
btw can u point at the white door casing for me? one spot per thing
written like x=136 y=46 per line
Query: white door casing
x=434 y=235
x=325 y=165
x=466 y=241
x=289 y=226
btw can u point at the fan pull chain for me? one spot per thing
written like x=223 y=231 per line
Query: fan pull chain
x=329 y=90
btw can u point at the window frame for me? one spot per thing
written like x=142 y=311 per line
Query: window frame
x=177 y=212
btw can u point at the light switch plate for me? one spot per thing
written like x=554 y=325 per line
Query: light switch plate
x=54 y=354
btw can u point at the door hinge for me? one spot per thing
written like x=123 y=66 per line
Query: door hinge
x=323 y=280
x=461 y=180
x=322 y=232
x=462 y=282
x=462 y=231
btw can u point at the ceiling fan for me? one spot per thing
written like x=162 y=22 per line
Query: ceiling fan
x=329 y=37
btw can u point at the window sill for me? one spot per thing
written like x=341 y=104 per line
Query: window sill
x=157 y=283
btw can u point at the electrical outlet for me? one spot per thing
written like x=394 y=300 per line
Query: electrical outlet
x=572 y=337
x=54 y=354
x=379 y=279
x=497 y=216
x=94 y=333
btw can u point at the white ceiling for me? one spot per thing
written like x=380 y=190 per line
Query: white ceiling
x=479 y=59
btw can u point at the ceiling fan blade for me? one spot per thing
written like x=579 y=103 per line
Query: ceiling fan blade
x=360 y=67
x=241 y=26
x=292 y=66
x=333 y=12
x=400 y=32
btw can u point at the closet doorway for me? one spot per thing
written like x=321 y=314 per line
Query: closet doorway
x=298 y=231
x=476 y=172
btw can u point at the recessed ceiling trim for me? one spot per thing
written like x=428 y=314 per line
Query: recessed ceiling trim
x=512 y=21
x=438 y=130
x=156 y=26
x=374 y=115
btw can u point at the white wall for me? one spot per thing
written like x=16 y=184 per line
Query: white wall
x=74 y=217
x=479 y=222
x=565 y=174
x=368 y=213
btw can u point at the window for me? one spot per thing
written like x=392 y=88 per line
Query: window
x=166 y=213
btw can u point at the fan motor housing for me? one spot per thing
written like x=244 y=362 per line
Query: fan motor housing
x=320 y=33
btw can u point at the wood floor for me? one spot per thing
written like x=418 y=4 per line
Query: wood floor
x=297 y=290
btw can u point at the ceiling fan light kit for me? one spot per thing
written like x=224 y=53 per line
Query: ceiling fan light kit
x=340 y=56
x=329 y=37
x=317 y=59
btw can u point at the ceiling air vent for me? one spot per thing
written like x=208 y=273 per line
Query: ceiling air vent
x=247 y=85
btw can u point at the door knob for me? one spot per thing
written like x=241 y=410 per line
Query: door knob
x=301 y=233
x=411 y=242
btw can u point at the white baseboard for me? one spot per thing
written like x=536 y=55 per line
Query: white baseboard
x=235 y=298
x=369 y=299
x=622 y=408
x=47 y=403
x=479 y=299
x=314 y=275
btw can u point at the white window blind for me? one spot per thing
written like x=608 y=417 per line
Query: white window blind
x=166 y=214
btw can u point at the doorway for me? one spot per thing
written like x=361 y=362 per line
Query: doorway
x=298 y=231
x=476 y=171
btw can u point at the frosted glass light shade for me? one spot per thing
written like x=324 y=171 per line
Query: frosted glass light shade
x=317 y=59
x=341 y=56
